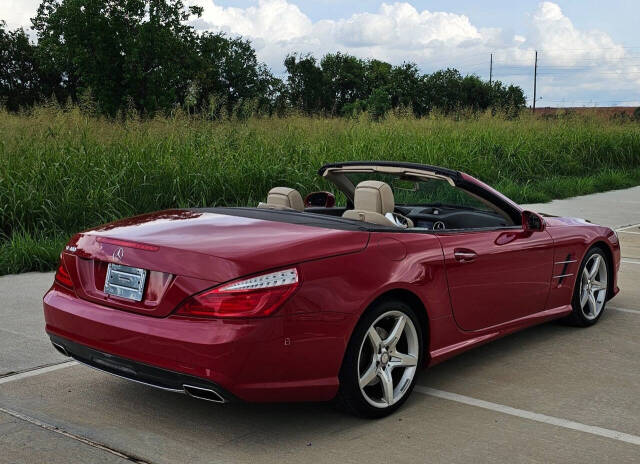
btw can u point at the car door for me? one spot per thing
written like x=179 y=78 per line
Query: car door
x=496 y=276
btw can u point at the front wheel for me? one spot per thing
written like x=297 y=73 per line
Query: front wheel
x=590 y=293
x=379 y=369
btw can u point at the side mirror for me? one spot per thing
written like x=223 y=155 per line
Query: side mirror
x=532 y=222
x=320 y=200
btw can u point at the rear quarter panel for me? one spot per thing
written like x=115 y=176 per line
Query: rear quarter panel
x=336 y=291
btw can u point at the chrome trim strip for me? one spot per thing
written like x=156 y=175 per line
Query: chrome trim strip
x=562 y=275
x=567 y=262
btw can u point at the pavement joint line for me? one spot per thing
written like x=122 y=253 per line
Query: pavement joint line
x=86 y=441
x=630 y=261
x=629 y=232
x=534 y=416
x=627 y=227
x=625 y=310
x=37 y=371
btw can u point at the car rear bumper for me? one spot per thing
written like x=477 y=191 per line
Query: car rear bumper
x=268 y=359
x=142 y=373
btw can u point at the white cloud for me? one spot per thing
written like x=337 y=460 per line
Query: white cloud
x=18 y=13
x=575 y=64
x=566 y=45
x=272 y=20
x=398 y=32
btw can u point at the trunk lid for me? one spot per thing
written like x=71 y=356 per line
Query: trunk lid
x=186 y=251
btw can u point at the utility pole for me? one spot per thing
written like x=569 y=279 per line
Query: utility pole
x=491 y=70
x=535 y=82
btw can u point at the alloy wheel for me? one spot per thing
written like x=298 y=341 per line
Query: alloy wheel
x=388 y=358
x=593 y=286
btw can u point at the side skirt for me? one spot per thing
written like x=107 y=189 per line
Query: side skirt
x=492 y=333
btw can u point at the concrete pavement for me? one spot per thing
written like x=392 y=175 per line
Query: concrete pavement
x=615 y=209
x=587 y=376
x=23 y=344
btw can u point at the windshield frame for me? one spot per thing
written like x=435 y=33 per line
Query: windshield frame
x=498 y=203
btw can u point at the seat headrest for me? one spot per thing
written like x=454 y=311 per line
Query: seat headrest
x=375 y=196
x=284 y=198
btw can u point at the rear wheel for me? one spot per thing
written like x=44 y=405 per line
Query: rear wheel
x=380 y=364
x=590 y=293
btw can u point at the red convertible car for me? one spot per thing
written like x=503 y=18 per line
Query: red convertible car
x=341 y=296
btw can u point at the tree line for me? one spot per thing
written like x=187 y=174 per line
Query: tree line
x=143 y=55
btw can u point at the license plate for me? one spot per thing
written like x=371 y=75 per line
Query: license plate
x=125 y=281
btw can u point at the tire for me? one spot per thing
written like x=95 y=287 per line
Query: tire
x=591 y=289
x=386 y=363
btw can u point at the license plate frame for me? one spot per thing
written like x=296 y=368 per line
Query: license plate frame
x=125 y=281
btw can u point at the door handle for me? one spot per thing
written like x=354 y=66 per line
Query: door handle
x=464 y=255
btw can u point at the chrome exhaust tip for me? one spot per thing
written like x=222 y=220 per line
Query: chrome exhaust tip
x=61 y=349
x=203 y=394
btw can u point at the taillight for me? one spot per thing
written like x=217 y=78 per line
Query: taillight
x=254 y=297
x=63 y=277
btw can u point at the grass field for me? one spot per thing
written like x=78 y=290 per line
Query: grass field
x=61 y=172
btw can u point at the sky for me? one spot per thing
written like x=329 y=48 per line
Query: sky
x=588 y=50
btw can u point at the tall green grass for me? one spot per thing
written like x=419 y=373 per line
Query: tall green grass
x=61 y=171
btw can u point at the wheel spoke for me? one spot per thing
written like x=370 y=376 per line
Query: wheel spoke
x=375 y=338
x=369 y=374
x=592 y=304
x=396 y=332
x=585 y=278
x=387 y=385
x=596 y=285
x=584 y=297
x=402 y=360
x=595 y=266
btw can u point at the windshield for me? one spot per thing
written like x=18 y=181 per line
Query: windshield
x=413 y=191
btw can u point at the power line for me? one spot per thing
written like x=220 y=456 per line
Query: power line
x=635 y=47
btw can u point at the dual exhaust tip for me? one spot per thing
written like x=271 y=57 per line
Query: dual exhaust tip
x=206 y=394
x=200 y=393
x=60 y=349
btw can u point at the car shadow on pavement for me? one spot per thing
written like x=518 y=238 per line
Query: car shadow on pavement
x=323 y=415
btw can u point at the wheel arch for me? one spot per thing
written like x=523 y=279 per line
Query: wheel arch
x=415 y=302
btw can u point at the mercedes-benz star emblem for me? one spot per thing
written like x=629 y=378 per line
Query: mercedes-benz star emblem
x=118 y=254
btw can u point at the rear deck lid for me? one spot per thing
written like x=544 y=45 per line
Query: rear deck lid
x=182 y=252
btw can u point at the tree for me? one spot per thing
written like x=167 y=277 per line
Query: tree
x=378 y=103
x=510 y=100
x=407 y=89
x=343 y=78
x=229 y=69
x=143 y=54
x=305 y=83
x=19 y=77
x=377 y=75
x=130 y=49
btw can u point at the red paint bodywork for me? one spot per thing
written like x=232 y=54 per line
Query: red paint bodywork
x=296 y=354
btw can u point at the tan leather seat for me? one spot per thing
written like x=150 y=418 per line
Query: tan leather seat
x=283 y=198
x=373 y=202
